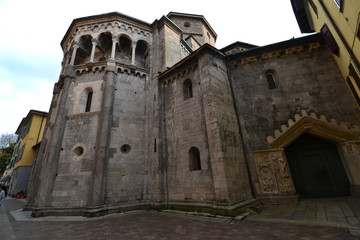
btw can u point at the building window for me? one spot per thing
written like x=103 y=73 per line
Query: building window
x=353 y=90
x=187 y=24
x=78 y=151
x=194 y=159
x=88 y=101
x=270 y=78
x=125 y=148
x=155 y=145
x=187 y=87
x=330 y=40
x=20 y=153
x=353 y=73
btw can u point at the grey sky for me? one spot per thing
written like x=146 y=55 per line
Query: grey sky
x=31 y=31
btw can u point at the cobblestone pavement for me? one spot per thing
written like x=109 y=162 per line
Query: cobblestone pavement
x=156 y=225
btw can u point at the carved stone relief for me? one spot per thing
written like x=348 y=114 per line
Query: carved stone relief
x=273 y=172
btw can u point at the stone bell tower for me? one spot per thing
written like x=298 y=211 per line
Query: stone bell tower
x=93 y=150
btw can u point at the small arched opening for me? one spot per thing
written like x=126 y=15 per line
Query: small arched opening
x=86 y=100
x=194 y=159
x=270 y=78
x=84 y=50
x=187 y=89
x=103 y=50
x=141 y=54
x=125 y=44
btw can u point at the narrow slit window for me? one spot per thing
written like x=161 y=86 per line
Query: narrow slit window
x=270 y=80
x=194 y=159
x=188 y=90
x=88 y=102
x=155 y=145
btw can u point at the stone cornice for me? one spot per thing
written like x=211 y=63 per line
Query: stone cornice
x=293 y=46
x=118 y=68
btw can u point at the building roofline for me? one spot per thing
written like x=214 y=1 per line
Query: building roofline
x=100 y=16
x=278 y=45
x=237 y=43
x=200 y=50
x=29 y=115
x=178 y=14
x=164 y=20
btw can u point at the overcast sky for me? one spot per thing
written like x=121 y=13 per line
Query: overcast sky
x=31 y=31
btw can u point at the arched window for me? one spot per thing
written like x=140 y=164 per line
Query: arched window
x=187 y=88
x=270 y=77
x=84 y=51
x=125 y=49
x=141 y=54
x=104 y=46
x=187 y=24
x=194 y=159
x=88 y=95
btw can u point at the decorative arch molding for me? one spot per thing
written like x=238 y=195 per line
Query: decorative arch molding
x=305 y=122
x=273 y=181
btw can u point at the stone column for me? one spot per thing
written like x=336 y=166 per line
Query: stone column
x=49 y=153
x=74 y=54
x=113 y=49
x=94 y=44
x=133 y=53
x=97 y=189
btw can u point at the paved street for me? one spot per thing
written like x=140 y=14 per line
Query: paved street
x=154 y=225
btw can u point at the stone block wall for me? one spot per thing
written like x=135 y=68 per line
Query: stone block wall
x=127 y=154
x=76 y=162
x=307 y=80
x=173 y=51
x=207 y=121
x=186 y=128
x=227 y=158
x=79 y=92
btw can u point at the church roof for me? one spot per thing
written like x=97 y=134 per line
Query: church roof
x=106 y=17
x=187 y=15
x=278 y=45
x=206 y=47
x=236 y=47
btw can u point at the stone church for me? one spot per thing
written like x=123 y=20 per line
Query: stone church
x=155 y=116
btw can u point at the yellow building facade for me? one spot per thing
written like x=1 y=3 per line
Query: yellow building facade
x=338 y=21
x=30 y=133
